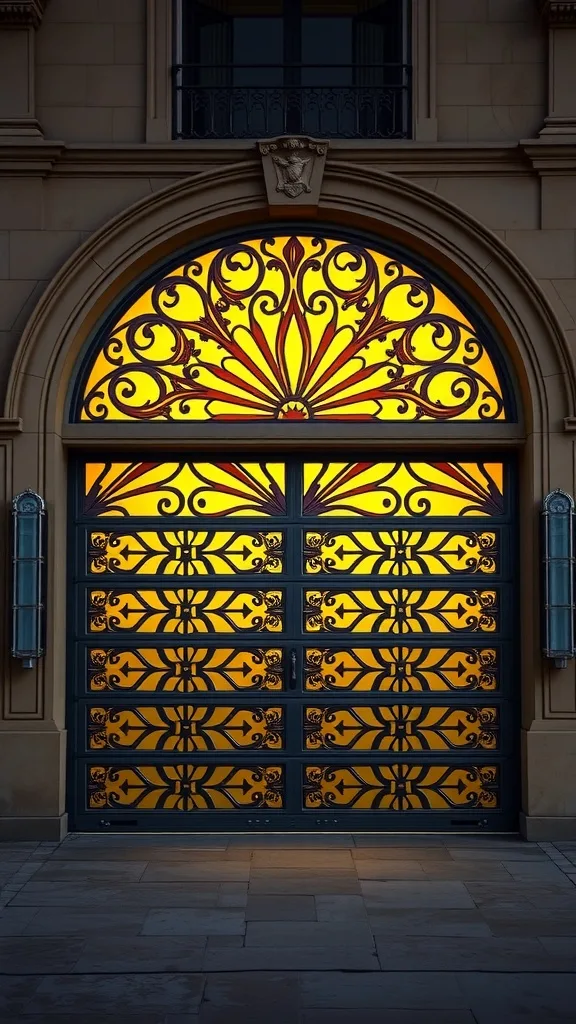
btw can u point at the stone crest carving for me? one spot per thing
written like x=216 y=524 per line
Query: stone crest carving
x=559 y=12
x=293 y=168
x=22 y=12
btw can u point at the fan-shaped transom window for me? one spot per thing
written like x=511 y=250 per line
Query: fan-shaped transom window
x=291 y=329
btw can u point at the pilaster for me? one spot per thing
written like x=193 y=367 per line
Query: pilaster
x=560 y=16
x=18 y=24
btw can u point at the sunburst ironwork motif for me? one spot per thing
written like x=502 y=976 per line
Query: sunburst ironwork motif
x=401 y=728
x=185 y=787
x=403 y=488
x=292 y=329
x=401 y=787
x=187 y=488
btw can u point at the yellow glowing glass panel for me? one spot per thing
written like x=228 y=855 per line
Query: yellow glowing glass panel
x=185 y=611
x=184 y=669
x=185 y=728
x=403 y=489
x=185 y=787
x=401 y=728
x=186 y=488
x=292 y=328
x=400 y=611
x=400 y=552
x=185 y=552
x=401 y=787
x=401 y=669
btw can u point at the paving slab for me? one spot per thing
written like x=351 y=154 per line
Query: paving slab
x=309 y=933
x=16 y=993
x=338 y=909
x=130 y=895
x=443 y=922
x=83 y=921
x=236 y=991
x=305 y=886
x=197 y=871
x=224 y=941
x=141 y=954
x=152 y=853
x=305 y=859
x=385 y=869
x=469 y=871
x=516 y=998
x=418 y=894
x=28 y=955
x=467 y=953
x=135 y=993
x=535 y=872
x=92 y=1018
x=284 y=908
x=403 y=991
x=558 y=945
x=290 y=958
x=194 y=921
x=13 y=920
x=512 y=853
x=401 y=853
x=91 y=871
x=359 y=1016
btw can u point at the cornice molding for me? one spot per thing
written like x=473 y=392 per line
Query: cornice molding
x=18 y=13
x=559 y=12
x=181 y=161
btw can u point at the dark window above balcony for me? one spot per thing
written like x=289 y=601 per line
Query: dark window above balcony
x=329 y=69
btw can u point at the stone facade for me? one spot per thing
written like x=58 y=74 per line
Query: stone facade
x=93 y=191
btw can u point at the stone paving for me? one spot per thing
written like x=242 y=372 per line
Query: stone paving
x=212 y=929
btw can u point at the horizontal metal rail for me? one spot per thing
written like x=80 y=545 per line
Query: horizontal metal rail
x=225 y=101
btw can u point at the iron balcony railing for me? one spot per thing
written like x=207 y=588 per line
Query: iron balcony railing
x=258 y=101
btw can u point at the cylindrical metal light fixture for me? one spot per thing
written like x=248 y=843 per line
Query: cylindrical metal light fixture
x=558 y=527
x=28 y=565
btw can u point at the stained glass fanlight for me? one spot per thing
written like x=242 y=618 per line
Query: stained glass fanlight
x=292 y=329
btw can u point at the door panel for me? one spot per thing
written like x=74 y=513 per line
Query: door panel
x=301 y=643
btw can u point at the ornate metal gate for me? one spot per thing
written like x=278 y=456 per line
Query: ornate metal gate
x=304 y=643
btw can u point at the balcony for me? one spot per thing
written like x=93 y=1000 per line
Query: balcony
x=259 y=101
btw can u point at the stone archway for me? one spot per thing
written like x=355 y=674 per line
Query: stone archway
x=92 y=281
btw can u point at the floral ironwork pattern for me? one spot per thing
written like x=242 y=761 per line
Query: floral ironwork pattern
x=400 y=611
x=401 y=787
x=400 y=552
x=185 y=611
x=400 y=728
x=402 y=669
x=185 y=728
x=293 y=328
x=184 y=669
x=186 y=488
x=185 y=787
x=403 y=489
x=185 y=553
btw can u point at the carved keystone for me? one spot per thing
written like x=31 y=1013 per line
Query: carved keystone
x=293 y=170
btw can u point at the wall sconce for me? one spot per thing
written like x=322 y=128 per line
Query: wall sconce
x=28 y=565
x=558 y=518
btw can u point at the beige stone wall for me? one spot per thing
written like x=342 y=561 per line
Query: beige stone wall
x=492 y=70
x=90 y=70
